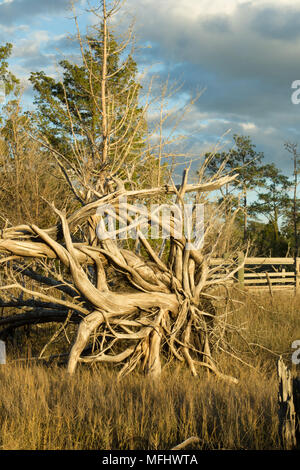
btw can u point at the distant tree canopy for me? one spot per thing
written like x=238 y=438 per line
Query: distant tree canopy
x=265 y=241
x=247 y=162
x=273 y=202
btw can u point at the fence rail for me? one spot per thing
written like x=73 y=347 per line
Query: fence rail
x=249 y=277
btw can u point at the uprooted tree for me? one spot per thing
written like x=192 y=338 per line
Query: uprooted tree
x=62 y=274
x=169 y=310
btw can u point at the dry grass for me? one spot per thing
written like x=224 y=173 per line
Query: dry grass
x=42 y=408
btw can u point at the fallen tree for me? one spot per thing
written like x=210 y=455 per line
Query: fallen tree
x=165 y=313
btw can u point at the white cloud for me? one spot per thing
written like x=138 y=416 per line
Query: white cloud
x=269 y=130
x=30 y=46
x=10 y=30
x=192 y=9
x=248 y=126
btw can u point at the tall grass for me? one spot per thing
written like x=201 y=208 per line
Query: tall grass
x=42 y=408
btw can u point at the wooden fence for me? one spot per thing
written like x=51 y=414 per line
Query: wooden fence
x=264 y=273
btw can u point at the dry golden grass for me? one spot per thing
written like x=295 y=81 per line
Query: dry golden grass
x=42 y=408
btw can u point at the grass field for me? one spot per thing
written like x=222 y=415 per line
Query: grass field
x=42 y=408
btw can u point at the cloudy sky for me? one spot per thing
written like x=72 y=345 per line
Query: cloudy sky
x=244 y=53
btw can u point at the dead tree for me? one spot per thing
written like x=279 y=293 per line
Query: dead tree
x=164 y=315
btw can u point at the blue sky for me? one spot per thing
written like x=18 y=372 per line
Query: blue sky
x=244 y=53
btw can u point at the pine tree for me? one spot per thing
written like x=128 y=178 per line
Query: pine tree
x=106 y=131
x=274 y=202
x=244 y=160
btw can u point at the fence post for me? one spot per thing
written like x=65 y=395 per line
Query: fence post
x=2 y=352
x=269 y=284
x=286 y=411
x=297 y=280
x=241 y=271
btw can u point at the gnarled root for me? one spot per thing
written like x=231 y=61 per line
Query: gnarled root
x=153 y=366
x=88 y=324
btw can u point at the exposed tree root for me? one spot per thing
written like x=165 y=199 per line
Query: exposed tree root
x=167 y=313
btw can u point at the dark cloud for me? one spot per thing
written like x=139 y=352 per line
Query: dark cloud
x=277 y=23
x=246 y=60
x=37 y=62
x=20 y=10
x=217 y=24
x=237 y=51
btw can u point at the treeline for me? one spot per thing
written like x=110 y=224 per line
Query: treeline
x=265 y=200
